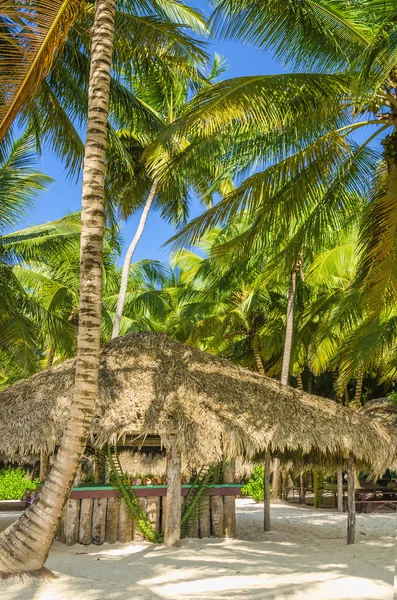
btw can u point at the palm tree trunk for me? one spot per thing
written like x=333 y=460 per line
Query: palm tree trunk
x=128 y=259
x=289 y=329
x=299 y=382
x=25 y=545
x=286 y=364
x=359 y=387
x=258 y=359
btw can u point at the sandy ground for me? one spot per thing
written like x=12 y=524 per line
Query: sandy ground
x=305 y=557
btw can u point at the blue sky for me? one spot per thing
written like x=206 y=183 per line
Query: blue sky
x=64 y=195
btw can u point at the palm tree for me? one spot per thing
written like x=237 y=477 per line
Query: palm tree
x=25 y=545
x=167 y=97
x=305 y=159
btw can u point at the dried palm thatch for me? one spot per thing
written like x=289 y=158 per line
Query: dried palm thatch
x=139 y=463
x=381 y=409
x=150 y=384
x=31 y=32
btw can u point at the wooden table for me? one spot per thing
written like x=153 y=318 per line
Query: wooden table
x=368 y=501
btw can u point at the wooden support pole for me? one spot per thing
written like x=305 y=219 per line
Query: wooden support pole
x=44 y=466
x=205 y=520
x=99 y=521
x=153 y=511
x=217 y=516
x=302 y=491
x=125 y=523
x=351 y=501
x=172 y=534
x=85 y=528
x=163 y=518
x=72 y=522
x=266 y=504
x=112 y=520
x=339 y=483
x=229 y=504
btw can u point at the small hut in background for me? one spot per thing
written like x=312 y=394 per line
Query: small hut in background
x=198 y=406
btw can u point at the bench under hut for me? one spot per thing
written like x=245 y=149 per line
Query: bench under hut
x=197 y=405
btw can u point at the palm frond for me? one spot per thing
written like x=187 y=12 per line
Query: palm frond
x=30 y=36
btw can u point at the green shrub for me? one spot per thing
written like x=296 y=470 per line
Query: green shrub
x=13 y=484
x=255 y=485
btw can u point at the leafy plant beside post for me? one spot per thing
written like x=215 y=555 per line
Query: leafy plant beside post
x=255 y=485
x=119 y=481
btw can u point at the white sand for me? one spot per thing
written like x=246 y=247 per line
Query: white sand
x=305 y=557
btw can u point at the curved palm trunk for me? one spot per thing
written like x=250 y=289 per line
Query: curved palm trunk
x=258 y=359
x=299 y=382
x=289 y=329
x=25 y=545
x=359 y=387
x=286 y=364
x=128 y=259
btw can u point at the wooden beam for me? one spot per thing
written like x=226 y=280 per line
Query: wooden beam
x=229 y=503
x=99 y=521
x=112 y=520
x=172 y=534
x=302 y=491
x=351 y=501
x=266 y=504
x=72 y=522
x=85 y=527
x=44 y=466
x=217 y=516
x=339 y=483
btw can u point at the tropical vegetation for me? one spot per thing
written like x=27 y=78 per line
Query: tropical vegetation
x=290 y=270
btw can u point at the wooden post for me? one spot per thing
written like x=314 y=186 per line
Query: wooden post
x=205 y=520
x=99 y=521
x=217 y=516
x=351 y=501
x=172 y=534
x=125 y=523
x=44 y=466
x=266 y=503
x=72 y=522
x=163 y=518
x=99 y=467
x=302 y=491
x=339 y=483
x=229 y=504
x=112 y=520
x=153 y=511
x=85 y=528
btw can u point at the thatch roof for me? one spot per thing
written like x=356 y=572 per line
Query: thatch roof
x=383 y=410
x=152 y=384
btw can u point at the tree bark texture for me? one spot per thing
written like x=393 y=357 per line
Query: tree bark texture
x=339 y=483
x=229 y=504
x=351 y=502
x=289 y=329
x=128 y=258
x=24 y=546
x=266 y=507
x=258 y=359
x=359 y=388
x=172 y=532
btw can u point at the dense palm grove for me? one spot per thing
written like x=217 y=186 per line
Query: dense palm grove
x=290 y=270
x=293 y=191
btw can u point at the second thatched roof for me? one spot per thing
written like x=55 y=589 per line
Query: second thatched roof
x=152 y=384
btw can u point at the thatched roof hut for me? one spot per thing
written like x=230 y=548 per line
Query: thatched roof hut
x=150 y=384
